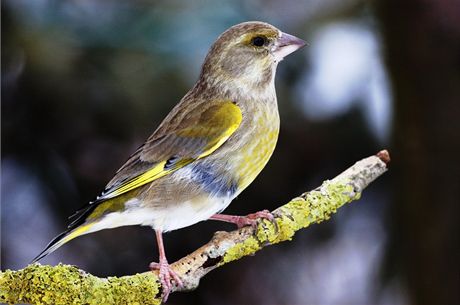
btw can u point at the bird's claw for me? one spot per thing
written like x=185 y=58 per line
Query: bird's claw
x=252 y=219
x=166 y=275
x=248 y=220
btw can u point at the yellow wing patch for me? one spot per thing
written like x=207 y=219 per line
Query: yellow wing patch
x=219 y=123
x=214 y=127
x=152 y=174
x=234 y=117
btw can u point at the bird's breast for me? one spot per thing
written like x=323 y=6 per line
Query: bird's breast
x=254 y=143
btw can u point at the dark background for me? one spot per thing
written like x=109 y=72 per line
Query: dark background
x=85 y=82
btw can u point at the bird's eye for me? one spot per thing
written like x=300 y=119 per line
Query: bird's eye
x=259 y=41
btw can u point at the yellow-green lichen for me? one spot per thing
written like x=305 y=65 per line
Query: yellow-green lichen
x=248 y=247
x=64 y=284
x=294 y=217
x=314 y=207
x=268 y=232
x=330 y=196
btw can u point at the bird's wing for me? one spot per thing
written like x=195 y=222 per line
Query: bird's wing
x=181 y=138
x=194 y=135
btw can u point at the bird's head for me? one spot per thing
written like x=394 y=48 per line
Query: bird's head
x=247 y=55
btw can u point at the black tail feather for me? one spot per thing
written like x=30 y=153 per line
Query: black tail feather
x=51 y=246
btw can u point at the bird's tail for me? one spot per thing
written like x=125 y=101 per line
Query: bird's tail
x=63 y=238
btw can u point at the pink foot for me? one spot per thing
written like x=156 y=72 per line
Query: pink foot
x=250 y=219
x=166 y=274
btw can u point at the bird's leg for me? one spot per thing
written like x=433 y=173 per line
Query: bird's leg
x=241 y=221
x=166 y=274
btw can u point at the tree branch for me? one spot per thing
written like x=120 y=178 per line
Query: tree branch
x=64 y=284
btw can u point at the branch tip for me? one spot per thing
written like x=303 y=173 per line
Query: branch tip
x=384 y=155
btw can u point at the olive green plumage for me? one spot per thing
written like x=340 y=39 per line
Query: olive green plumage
x=208 y=149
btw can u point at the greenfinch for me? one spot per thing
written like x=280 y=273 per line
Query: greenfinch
x=206 y=151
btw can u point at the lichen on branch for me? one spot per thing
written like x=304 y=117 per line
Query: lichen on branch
x=64 y=284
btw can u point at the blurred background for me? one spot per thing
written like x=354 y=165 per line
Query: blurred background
x=85 y=82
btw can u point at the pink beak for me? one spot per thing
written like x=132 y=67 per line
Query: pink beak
x=287 y=44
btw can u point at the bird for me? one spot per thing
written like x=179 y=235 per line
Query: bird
x=206 y=151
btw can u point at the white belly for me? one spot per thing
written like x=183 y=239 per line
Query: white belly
x=166 y=219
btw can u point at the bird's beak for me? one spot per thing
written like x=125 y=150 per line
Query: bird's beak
x=285 y=45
